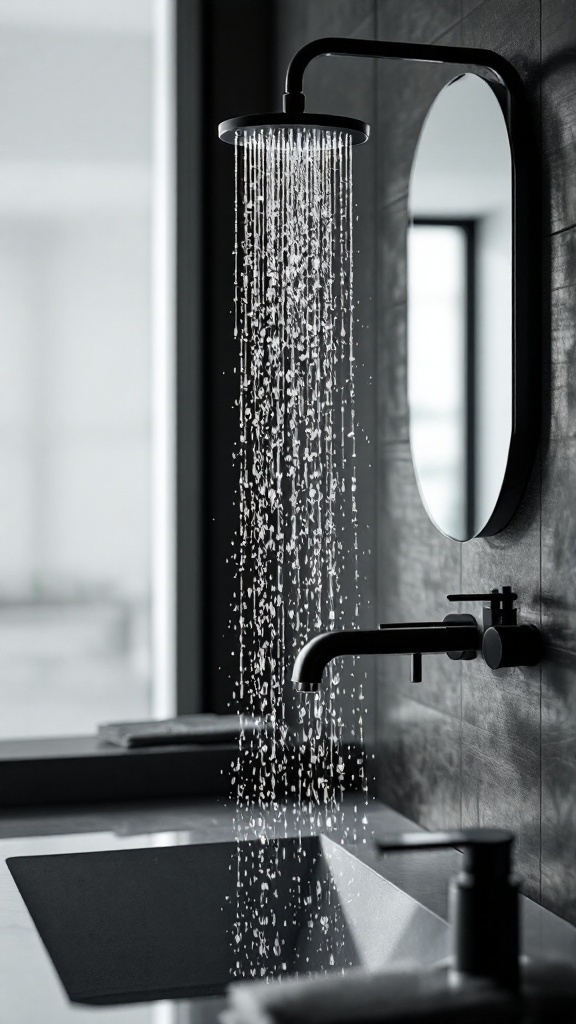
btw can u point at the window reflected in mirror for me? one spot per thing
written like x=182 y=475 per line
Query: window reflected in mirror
x=441 y=345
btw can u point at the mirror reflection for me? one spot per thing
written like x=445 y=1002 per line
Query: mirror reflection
x=460 y=307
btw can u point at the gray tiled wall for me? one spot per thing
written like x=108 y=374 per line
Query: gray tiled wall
x=467 y=745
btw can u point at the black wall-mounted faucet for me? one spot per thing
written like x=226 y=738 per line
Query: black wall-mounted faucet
x=502 y=641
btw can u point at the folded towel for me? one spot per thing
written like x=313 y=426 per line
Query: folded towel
x=205 y=728
x=406 y=995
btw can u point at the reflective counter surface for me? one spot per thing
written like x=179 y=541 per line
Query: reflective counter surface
x=394 y=906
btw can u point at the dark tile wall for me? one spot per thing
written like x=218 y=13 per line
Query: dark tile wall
x=558 y=510
x=467 y=746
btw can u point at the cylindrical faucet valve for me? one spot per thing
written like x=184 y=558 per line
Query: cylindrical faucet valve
x=506 y=646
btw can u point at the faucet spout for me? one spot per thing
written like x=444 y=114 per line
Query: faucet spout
x=416 y=638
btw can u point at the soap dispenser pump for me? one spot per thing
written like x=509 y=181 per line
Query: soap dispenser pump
x=483 y=903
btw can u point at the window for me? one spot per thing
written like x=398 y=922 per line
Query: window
x=78 y=181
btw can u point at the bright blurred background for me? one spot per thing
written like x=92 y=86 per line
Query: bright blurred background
x=77 y=169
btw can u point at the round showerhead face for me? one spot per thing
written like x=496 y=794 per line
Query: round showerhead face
x=241 y=128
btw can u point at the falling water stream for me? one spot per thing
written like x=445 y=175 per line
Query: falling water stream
x=297 y=558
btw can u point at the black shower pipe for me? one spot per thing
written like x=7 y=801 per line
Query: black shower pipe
x=334 y=46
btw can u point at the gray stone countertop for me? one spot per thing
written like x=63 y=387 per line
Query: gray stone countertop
x=30 y=991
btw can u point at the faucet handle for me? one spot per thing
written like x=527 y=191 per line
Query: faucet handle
x=416 y=668
x=499 y=608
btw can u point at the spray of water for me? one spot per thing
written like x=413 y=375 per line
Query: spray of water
x=298 y=539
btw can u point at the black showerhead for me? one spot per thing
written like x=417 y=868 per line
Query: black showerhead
x=238 y=128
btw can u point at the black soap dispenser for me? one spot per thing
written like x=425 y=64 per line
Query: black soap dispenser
x=483 y=901
x=486 y=978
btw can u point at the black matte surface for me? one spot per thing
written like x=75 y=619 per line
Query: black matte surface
x=147 y=924
x=77 y=769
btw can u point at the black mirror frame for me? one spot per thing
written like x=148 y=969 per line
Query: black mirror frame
x=526 y=308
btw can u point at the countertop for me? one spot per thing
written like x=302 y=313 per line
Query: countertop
x=31 y=992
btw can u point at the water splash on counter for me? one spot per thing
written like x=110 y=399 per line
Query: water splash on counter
x=298 y=552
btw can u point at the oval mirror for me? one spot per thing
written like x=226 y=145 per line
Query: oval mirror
x=460 y=310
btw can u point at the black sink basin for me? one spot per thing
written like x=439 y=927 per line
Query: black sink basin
x=184 y=921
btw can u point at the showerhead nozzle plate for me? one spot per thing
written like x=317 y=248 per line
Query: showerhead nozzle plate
x=236 y=128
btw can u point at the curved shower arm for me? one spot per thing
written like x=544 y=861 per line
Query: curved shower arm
x=294 y=99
